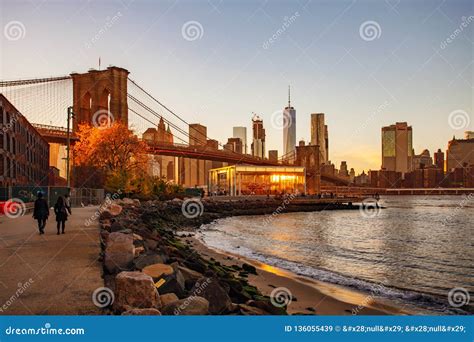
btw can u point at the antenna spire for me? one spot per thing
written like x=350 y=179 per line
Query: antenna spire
x=289 y=102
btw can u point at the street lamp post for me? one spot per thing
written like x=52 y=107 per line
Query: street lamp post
x=70 y=115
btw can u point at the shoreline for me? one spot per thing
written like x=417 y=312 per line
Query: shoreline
x=140 y=238
x=312 y=297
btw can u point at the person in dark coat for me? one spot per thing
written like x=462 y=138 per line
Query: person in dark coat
x=61 y=212
x=41 y=212
x=67 y=203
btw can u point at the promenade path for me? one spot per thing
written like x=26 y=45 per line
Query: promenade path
x=64 y=269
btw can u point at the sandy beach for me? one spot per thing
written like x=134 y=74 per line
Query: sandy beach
x=310 y=297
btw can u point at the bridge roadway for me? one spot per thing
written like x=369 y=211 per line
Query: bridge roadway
x=59 y=135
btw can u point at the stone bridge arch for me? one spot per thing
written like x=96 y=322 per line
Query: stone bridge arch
x=100 y=91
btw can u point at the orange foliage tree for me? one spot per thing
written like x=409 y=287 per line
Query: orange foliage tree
x=113 y=151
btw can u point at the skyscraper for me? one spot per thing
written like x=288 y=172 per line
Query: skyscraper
x=319 y=136
x=273 y=155
x=197 y=134
x=241 y=132
x=289 y=127
x=258 y=141
x=439 y=159
x=397 y=147
x=459 y=154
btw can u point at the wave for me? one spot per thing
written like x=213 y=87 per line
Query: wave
x=215 y=236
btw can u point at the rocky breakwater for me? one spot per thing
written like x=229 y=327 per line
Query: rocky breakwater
x=152 y=272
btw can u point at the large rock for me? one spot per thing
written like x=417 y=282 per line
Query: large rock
x=151 y=244
x=158 y=271
x=142 y=312
x=209 y=288
x=113 y=209
x=117 y=227
x=190 y=276
x=119 y=252
x=193 y=305
x=174 y=283
x=248 y=310
x=147 y=259
x=168 y=298
x=136 y=290
x=127 y=201
x=267 y=306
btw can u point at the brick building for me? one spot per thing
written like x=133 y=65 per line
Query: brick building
x=24 y=153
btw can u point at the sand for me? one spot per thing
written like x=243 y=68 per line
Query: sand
x=309 y=296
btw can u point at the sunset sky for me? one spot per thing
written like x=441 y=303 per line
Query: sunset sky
x=408 y=71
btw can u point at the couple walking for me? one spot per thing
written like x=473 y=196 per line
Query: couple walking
x=62 y=209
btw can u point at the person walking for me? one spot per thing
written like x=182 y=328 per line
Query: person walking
x=61 y=212
x=67 y=203
x=41 y=211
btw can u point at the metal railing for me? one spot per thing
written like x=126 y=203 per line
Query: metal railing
x=27 y=194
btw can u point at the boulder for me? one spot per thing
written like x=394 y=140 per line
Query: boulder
x=105 y=215
x=248 y=310
x=139 y=250
x=151 y=244
x=196 y=264
x=142 y=312
x=249 y=268
x=267 y=306
x=128 y=201
x=147 y=259
x=209 y=288
x=174 y=283
x=190 y=276
x=137 y=237
x=192 y=305
x=135 y=289
x=117 y=226
x=119 y=252
x=158 y=271
x=168 y=298
x=114 y=209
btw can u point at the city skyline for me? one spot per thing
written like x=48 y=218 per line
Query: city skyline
x=332 y=66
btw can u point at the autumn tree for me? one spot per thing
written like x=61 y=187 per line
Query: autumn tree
x=113 y=151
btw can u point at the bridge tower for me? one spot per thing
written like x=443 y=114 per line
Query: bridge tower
x=308 y=156
x=100 y=94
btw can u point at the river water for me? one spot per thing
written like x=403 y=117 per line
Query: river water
x=414 y=252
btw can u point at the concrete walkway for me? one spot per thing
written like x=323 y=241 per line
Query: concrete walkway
x=49 y=274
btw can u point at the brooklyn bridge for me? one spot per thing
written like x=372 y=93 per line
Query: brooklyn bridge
x=100 y=97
